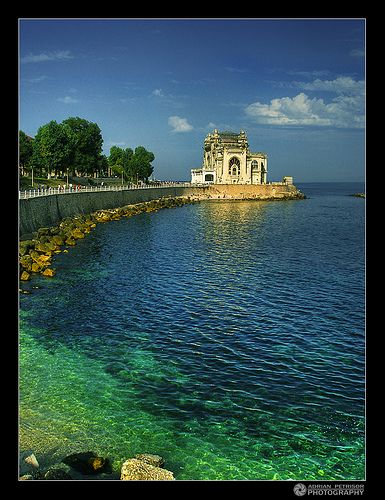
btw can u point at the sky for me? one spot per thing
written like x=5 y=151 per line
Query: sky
x=295 y=86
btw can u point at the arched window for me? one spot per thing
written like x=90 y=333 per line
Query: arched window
x=234 y=166
x=254 y=165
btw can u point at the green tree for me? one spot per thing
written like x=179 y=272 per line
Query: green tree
x=86 y=145
x=120 y=161
x=25 y=152
x=141 y=163
x=51 y=149
x=102 y=166
x=134 y=165
x=115 y=160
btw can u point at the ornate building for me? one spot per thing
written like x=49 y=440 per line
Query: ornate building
x=228 y=160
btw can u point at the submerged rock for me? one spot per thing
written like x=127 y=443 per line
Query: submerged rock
x=57 y=474
x=88 y=463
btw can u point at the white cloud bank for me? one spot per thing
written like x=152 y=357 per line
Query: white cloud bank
x=179 y=124
x=346 y=110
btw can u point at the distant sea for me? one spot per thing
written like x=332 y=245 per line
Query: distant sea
x=227 y=337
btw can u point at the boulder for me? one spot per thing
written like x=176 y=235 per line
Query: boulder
x=138 y=470
x=25 y=276
x=36 y=268
x=44 y=247
x=32 y=460
x=88 y=463
x=57 y=240
x=25 y=246
x=48 y=272
x=154 y=460
x=34 y=255
x=26 y=262
x=77 y=234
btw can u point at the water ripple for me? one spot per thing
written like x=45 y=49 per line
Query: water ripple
x=236 y=329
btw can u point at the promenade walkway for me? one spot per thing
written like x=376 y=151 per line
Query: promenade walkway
x=33 y=193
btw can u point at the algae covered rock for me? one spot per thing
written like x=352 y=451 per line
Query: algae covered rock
x=57 y=474
x=25 y=276
x=88 y=463
x=49 y=272
x=138 y=470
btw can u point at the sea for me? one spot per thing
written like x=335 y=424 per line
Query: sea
x=227 y=337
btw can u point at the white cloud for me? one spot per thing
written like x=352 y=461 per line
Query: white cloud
x=157 y=92
x=57 y=55
x=67 y=100
x=340 y=85
x=179 y=124
x=342 y=112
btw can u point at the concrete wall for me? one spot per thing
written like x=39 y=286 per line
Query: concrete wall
x=46 y=211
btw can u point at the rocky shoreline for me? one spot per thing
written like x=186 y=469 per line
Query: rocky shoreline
x=36 y=254
x=89 y=466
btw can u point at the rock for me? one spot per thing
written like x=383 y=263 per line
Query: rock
x=56 y=474
x=36 y=267
x=138 y=470
x=44 y=258
x=88 y=463
x=25 y=477
x=34 y=255
x=25 y=276
x=31 y=459
x=154 y=460
x=77 y=234
x=44 y=247
x=48 y=272
x=25 y=246
x=43 y=231
x=58 y=240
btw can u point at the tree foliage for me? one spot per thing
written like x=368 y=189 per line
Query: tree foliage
x=51 y=148
x=86 y=142
x=75 y=146
x=25 y=150
x=133 y=165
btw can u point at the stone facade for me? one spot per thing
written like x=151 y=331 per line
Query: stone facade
x=228 y=160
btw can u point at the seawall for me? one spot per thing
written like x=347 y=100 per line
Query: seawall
x=47 y=211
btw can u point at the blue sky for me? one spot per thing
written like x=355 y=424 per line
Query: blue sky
x=296 y=86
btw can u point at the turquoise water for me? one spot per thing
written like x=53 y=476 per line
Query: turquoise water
x=227 y=337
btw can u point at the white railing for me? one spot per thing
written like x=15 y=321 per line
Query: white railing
x=33 y=193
